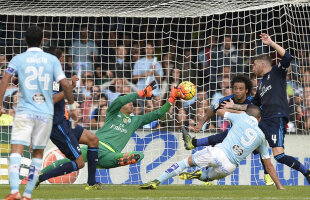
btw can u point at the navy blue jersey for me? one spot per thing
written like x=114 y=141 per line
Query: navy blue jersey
x=271 y=92
x=59 y=108
x=217 y=106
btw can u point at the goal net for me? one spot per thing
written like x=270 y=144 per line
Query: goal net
x=112 y=45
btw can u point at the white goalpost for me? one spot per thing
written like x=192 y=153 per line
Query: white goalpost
x=205 y=42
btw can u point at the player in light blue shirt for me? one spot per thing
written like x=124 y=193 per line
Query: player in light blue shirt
x=251 y=138
x=243 y=138
x=36 y=71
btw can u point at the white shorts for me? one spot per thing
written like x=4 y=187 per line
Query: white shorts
x=31 y=129
x=217 y=162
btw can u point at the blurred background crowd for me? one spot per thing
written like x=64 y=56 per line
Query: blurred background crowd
x=116 y=56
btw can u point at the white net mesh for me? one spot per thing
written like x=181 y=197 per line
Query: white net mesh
x=106 y=42
x=133 y=8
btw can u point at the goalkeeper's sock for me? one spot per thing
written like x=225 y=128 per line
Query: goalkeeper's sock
x=15 y=162
x=174 y=170
x=61 y=170
x=34 y=171
x=291 y=162
x=92 y=158
x=55 y=164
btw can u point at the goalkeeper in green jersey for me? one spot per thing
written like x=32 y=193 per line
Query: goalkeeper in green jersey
x=118 y=128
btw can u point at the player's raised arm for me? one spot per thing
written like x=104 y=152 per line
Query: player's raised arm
x=232 y=106
x=268 y=41
x=226 y=112
x=159 y=113
x=119 y=102
x=286 y=57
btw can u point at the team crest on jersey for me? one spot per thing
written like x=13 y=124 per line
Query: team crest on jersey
x=38 y=98
x=216 y=106
x=268 y=77
x=238 y=150
x=55 y=86
x=125 y=120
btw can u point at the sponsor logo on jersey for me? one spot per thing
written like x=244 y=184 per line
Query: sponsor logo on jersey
x=238 y=150
x=119 y=128
x=38 y=98
x=216 y=106
x=126 y=120
x=55 y=86
x=265 y=89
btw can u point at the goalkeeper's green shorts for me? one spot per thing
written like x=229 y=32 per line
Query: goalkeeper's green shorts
x=108 y=159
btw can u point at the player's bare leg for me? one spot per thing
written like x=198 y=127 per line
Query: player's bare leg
x=15 y=162
x=174 y=170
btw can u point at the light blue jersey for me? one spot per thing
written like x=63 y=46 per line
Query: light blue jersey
x=36 y=71
x=243 y=138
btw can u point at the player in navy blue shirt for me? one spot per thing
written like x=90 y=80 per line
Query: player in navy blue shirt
x=272 y=98
x=241 y=87
x=68 y=138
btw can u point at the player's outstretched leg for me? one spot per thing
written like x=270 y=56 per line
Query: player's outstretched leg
x=293 y=163
x=198 y=174
x=174 y=170
x=91 y=150
x=191 y=142
x=61 y=167
x=188 y=139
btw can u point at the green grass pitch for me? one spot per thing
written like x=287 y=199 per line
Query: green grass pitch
x=167 y=192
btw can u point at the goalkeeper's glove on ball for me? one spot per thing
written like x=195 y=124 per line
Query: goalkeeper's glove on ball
x=174 y=94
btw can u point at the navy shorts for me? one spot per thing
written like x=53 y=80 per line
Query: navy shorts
x=274 y=130
x=67 y=139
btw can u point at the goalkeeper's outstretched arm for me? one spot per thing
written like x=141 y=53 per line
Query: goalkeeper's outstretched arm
x=118 y=103
x=159 y=113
